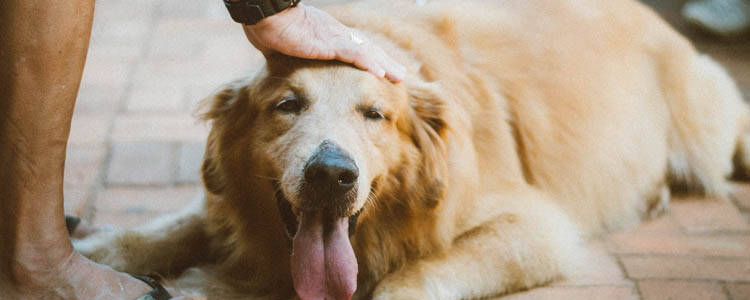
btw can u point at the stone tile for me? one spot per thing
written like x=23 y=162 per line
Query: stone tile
x=161 y=127
x=667 y=267
x=680 y=290
x=740 y=291
x=714 y=245
x=150 y=99
x=145 y=200
x=741 y=195
x=110 y=73
x=141 y=163
x=189 y=160
x=89 y=130
x=600 y=268
x=130 y=31
x=82 y=165
x=662 y=225
x=708 y=215
x=98 y=99
x=589 y=293
x=123 y=219
x=74 y=199
x=104 y=51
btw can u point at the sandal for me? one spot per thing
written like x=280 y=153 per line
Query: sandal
x=158 y=292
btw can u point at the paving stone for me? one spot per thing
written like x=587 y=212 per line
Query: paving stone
x=680 y=290
x=669 y=267
x=110 y=73
x=662 y=225
x=741 y=196
x=74 y=199
x=89 y=130
x=151 y=99
x=708 y=215
x=141 y=163
x=189 y=160
x=82 y=165
x=589 y=293
x=123 y=219
x=740 y=291
x=162 y=127
x=600 y=268
x=145 y=200
x=714 y=245
x=96 y=99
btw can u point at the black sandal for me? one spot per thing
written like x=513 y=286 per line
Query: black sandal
x=158 y=292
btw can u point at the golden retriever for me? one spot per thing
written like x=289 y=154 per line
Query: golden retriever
x=522 y=127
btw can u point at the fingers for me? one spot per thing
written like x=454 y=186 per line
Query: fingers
x=371 y=58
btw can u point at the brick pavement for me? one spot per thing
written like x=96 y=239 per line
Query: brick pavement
x=135 y=150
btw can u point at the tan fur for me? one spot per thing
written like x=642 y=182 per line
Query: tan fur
x=522 y=126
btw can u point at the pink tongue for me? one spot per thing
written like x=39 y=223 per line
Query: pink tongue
x=323 y=267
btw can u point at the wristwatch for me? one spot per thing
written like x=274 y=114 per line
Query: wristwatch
x=250 y=12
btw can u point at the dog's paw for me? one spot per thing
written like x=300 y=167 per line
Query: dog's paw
x=102 y=247
x=401 y=294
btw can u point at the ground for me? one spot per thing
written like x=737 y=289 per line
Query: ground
x=136 y=146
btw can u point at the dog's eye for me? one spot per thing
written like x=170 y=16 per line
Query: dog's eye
x=374 y=114
x=289 y=105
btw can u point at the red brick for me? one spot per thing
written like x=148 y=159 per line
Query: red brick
x=662 y=225
x=588 y=293
x=741 y=196
x=141 y=163
x=680 y=290
x=708 y=215
x=74 y=198
x=152 y=200
x=149 y=99
x=89 y=130
x=123 y=219
x=161 y=127
x=82 y=165
x=740 y=291
x=96 y=99
x=667 y=267
x=110 y=73
x=714 y=245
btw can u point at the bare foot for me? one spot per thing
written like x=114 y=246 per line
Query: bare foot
x=78 y=278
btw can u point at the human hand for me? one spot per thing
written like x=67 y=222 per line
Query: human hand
x=307 y=32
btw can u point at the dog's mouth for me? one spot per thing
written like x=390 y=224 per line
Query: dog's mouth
x=290 y=218
x=323 y=264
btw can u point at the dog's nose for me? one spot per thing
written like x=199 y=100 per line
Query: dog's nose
x=331 y=170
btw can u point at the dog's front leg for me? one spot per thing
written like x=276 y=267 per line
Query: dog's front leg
x=529 y=242
x=165 y=246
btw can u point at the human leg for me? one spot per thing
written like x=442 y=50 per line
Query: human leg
x=42 y=52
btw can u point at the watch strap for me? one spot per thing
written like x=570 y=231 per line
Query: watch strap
x=250 y=12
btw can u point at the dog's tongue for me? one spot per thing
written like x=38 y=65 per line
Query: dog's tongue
x=323 y=262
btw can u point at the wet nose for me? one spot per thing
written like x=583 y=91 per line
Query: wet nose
x=331 y=171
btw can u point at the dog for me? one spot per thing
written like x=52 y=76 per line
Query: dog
x=521 y=129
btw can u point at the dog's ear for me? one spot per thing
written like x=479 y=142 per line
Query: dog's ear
x=213 y=181
x=429 y=127
x=223 y=109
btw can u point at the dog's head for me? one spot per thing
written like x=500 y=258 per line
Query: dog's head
x=329 y=141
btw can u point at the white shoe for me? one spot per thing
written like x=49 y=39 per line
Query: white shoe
x=726 y=18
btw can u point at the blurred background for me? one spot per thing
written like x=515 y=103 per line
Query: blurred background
x=136 y=146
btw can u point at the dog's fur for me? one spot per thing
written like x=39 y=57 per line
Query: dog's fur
x=521 y=127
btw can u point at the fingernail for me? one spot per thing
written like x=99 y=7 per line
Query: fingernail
x=380 y=73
